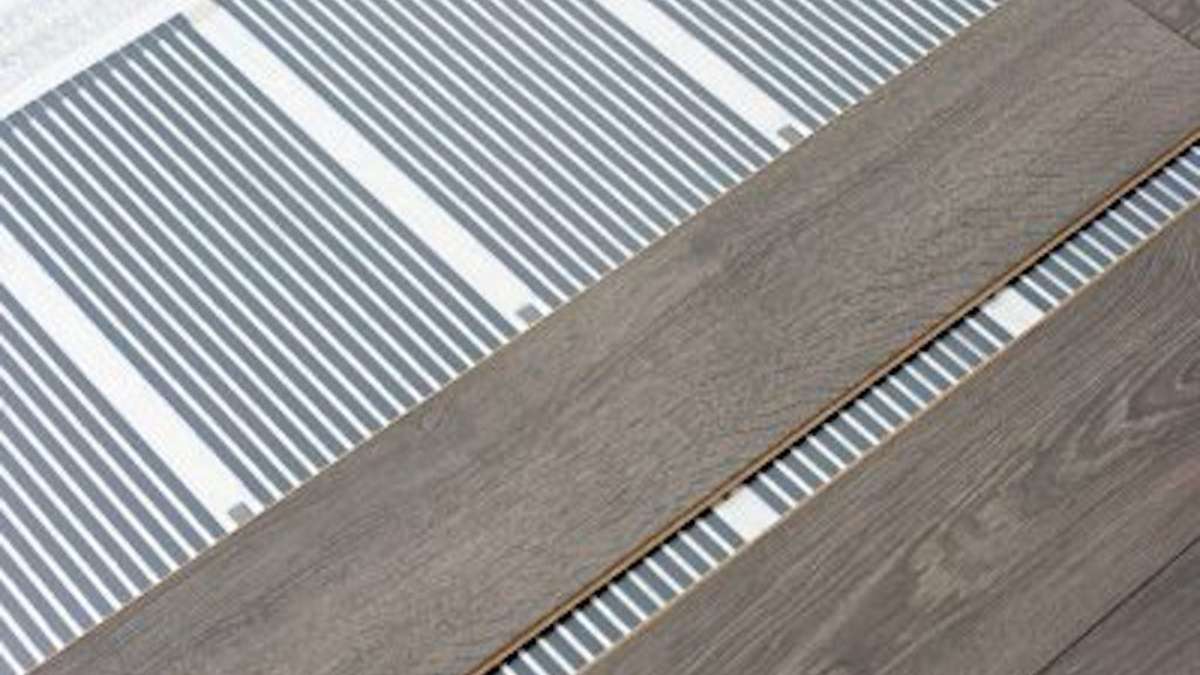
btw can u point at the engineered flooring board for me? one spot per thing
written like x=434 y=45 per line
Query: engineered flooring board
x=997 y=528
x=1156 y=630
x=1181 y=16
x=444 y=537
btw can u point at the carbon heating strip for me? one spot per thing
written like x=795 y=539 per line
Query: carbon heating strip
x=644 y=589
x=90 y=515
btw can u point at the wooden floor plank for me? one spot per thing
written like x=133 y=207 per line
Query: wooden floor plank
x=998 y=527
x=1155 y=632
x=445 y=536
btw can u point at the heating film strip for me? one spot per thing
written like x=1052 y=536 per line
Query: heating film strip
x=597 y=624
x=90 y=515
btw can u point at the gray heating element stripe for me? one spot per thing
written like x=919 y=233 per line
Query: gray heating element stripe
x=596 y=625
x=90 y=515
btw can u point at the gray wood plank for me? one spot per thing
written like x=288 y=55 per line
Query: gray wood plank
x=443 y=538
x=1155 y=632
x=998 y=527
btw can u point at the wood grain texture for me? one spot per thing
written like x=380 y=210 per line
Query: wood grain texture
x=1155 y=632
x=1181 y=16
x=447 y=535
x=998 y=527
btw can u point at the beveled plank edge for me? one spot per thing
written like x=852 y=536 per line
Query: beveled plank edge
x=922 y=340
x=1059 y=661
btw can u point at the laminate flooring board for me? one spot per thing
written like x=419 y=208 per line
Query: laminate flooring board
x=1181 y=16
x=446 y=536
x=997 y=528
x=1156 y=631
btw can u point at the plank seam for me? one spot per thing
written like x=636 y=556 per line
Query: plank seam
x=1117 y=606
